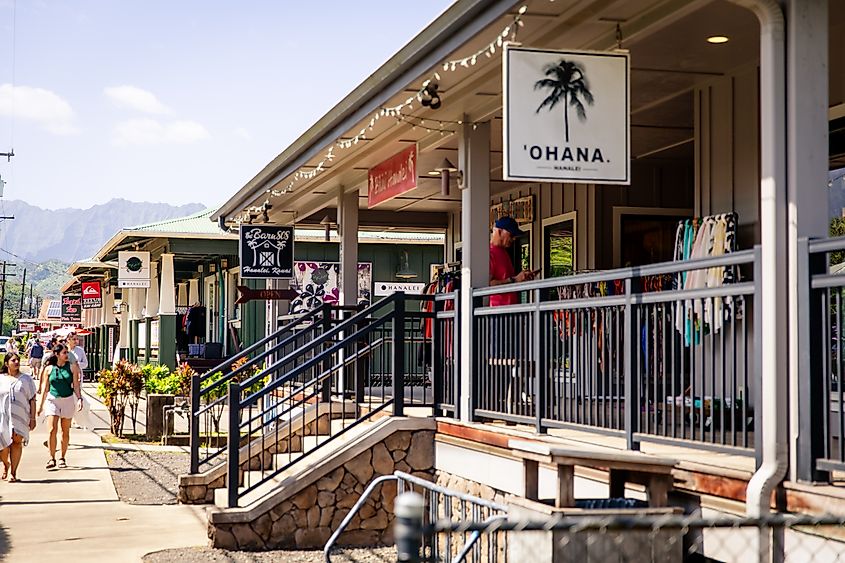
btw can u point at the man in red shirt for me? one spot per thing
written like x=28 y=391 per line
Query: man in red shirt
x=505 y=231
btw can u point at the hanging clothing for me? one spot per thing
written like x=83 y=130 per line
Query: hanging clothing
x=696 y=239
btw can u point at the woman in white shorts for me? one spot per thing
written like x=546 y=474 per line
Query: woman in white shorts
x=60 y=398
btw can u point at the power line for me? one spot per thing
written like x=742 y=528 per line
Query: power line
x=43 y=266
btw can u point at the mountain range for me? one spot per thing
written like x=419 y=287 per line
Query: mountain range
x=69 y=234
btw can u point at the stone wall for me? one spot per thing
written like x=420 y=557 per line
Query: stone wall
x=305 y=519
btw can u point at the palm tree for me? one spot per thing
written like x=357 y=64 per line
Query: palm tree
x=567 y=83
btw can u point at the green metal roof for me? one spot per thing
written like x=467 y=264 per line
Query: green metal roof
x=196 y=224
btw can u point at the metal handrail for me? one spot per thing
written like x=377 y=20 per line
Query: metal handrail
x=348 y=518
x=325 y=338
x=422 y=483
x=737 y=258
x=475 y=536
x=324 y=349
x=197 y=391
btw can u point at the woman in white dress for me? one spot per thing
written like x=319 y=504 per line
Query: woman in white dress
x=17 y=414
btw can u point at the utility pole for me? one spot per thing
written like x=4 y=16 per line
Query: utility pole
x=23 y=292
x=30 y=302
x=3 y=274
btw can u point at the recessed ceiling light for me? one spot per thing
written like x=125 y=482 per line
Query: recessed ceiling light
x=718 y=39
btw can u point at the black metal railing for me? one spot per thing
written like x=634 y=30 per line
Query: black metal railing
x=821 y=396
x=209 y=391
x=326 y=387
x=446 y=353
x=633 y=352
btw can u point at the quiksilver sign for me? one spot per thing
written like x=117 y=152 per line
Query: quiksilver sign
x=566 y=116
x=266 y=252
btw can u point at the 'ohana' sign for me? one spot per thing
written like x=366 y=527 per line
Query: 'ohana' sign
x=266 y=252
x=566 y=116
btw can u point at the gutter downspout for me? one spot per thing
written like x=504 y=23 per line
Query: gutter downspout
x=774 y=368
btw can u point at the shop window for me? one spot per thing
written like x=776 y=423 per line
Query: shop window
x=521 y=250
x=559 y=247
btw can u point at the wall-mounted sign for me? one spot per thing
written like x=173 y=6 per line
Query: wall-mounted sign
x=266 y=252
x=26 y=327
x=248 y=294
x=521 y=209
x=566 y=116
x=133 y=269
x=92 y=295
x=394 y=176
x=389 y=288
x=71 y=308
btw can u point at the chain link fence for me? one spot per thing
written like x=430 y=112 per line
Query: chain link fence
x=593 y=538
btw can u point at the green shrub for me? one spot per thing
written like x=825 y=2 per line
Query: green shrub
x=119 y=387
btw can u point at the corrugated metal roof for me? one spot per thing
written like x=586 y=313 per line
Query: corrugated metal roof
x=315 y=235
x=196 y=224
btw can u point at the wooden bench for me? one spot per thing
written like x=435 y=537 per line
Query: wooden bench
x=654 y=473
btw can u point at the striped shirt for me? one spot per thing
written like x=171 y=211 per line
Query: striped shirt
x=20 y=390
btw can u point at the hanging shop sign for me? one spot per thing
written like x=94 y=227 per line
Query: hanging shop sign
x=521 y=209
x=72 y=308
x=133 y=269
x=248 y=294
x=566 y=116
x=92 y=295
x=394 y=176
x=266 y=252
x=389 y=288
x=26 y=327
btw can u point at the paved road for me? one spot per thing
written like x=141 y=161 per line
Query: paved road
x=74 y=514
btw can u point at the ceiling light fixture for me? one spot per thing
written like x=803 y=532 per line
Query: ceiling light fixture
x=444 y=170
x=718 y=39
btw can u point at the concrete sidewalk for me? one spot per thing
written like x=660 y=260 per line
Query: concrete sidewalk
x=74 y=514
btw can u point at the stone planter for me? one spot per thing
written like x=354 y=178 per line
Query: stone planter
x=155 y=416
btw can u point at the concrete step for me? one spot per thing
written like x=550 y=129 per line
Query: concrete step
x=310 y=444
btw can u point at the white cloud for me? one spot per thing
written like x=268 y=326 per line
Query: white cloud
x=138 y=99
x=146 y=131
x=243 y=134
x=44 y=107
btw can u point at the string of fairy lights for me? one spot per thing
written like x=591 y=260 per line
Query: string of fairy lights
x=426 y=96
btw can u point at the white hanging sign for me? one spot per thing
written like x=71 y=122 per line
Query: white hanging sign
x=389 y=288
x=566 y=116
x=133 y=269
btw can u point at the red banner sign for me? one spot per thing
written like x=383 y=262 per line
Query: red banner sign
x=92 y=295
x=394 y=176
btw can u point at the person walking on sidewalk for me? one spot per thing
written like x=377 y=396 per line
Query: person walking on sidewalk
x=61 y=396
x=36 y=354
x=78 y=353
x=17 y=413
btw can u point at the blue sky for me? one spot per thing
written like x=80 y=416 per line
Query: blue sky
x=176 y=101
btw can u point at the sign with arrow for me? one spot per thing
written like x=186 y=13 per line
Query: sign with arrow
x=247 y=294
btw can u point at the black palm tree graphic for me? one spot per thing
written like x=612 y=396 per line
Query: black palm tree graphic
x=568 y=85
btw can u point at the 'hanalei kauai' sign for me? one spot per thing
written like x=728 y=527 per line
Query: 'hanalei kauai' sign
x=266 y=252
x=566 y=116
x=394 y=176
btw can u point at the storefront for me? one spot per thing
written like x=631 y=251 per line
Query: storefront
x=716 y=147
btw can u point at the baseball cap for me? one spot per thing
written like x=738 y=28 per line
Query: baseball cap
x=508 y=224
